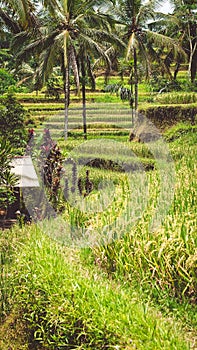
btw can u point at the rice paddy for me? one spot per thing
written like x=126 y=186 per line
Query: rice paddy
x=115 y=269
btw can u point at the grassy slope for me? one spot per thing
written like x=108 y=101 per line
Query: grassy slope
x=65 y=303
x=51 y=294
x=164 y=262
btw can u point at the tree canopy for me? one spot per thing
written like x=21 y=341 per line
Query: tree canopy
x=74 y=34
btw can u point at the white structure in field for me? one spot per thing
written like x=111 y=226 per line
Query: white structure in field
x=23 y=167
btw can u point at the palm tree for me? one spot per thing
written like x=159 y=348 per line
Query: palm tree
x=182 y=24
x=65 y=26
x=142 y=41
x=88 y=49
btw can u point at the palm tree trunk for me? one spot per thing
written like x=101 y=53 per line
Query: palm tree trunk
x=135 y=77
x=92 y=78
x=131 y=97
x=66 y=94
x=192 y=69
x=73 y=60
x=193 y=63
x=83 y=73
x=178 y=65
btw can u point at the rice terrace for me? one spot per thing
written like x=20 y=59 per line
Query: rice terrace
x=98 y=175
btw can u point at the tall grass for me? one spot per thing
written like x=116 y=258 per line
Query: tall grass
x=8 y=251
x=108 y=303
x=165 y=259
x=67 y=306
x=176 y=98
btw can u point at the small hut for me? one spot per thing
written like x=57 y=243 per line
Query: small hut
x=22 y=167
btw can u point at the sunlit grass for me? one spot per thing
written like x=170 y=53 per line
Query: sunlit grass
x=66 y=302
x=66 y=305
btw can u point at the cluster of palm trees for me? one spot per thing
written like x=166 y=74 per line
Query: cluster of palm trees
x=73 y=34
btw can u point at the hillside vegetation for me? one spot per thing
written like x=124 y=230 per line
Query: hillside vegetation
x=136 y=292
x=101 y=98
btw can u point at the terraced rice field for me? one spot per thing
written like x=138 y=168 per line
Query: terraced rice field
x=112 y=121
x=101 y=119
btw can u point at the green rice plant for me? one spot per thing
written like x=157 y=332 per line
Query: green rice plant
x=8 y=244
x=164 y=260
x=43 y=106
x=5 y=288
x=180 y=129
x=100 y=207
x=176 y=98
x=68 y=306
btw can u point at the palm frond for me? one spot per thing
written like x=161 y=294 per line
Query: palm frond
x=144 y=14
x=19 y=40
x=47 y=60
x=111 y=52
x=25 y=10
x=52 y=6
x=103 y=36
x=144 y=57
x=155 y=57
x=93 y=45
x=164 y=41
x=65 y=6
x=9 y=22
x=131 y=45
x=38 y=45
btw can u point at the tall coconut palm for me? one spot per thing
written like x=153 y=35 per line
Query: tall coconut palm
x=182 y=24
x=65 y=24
x=134 y=15
x=87 y=52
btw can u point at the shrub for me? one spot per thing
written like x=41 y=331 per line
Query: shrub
x=12 y=116
x=7 y=179
x=6 y=80
x=165 y=116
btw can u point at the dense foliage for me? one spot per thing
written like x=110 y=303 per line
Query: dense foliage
x=7 y=179
x=133 y=287
x=6 y=80
x=12 y=117
x=77 y=37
